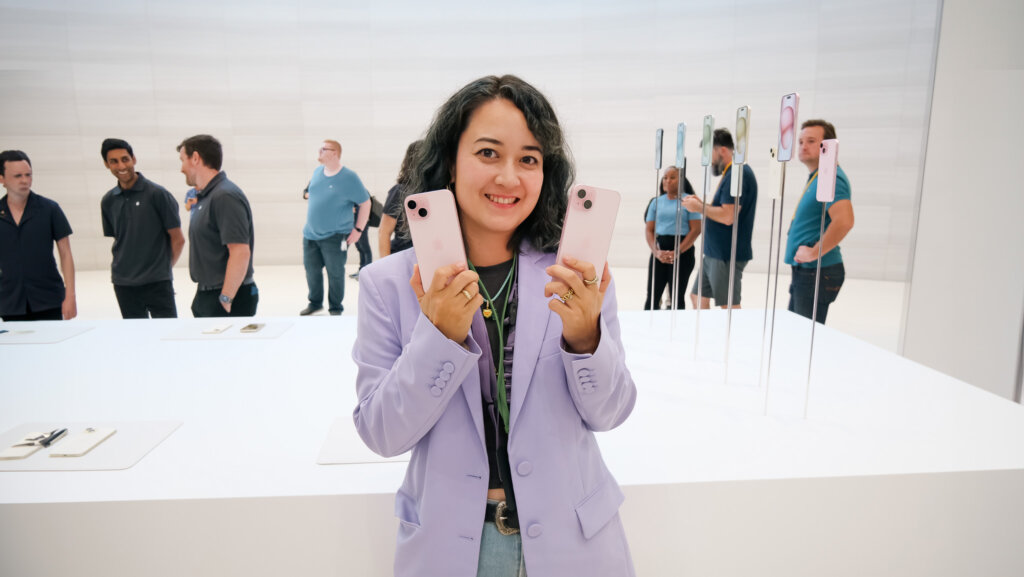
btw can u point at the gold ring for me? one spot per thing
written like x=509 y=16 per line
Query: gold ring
x=590 y=282
x=466 y=294
x=568 y=295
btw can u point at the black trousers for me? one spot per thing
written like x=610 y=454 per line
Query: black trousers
x=207 y=303
x=662 y=273
x=363 y=245
x=801 y=290
x=154 y=299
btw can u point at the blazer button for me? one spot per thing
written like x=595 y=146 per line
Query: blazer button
x=436 y=391
x=583 y=373
x=449 y=367
x=440 y=382
x=524 y=468
x=535 y=530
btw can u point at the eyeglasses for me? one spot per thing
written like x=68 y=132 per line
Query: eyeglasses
x=325 y=149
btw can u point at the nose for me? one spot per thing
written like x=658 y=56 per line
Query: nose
x=507 y=175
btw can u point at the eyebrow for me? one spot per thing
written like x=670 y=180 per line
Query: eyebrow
x=496 y=141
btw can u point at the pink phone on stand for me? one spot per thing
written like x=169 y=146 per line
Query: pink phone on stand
x=588 y=226
x=435 y=231
x=827 y=163
x=787 y=126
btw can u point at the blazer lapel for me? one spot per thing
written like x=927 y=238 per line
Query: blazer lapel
x=532 y=320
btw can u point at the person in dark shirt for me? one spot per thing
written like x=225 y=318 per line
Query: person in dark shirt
x=30 y=287
x=393 y=214
x=142 y=217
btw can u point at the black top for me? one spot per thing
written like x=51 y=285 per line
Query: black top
x=718 y=236
x=221 y=216
x=138 y=219
x=28 y=271
x=393 y=208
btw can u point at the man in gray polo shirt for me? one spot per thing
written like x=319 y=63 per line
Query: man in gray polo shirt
x=142 y=217
x=220 y=236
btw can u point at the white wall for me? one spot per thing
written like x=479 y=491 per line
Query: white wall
x=272 y=79
x=965 y=306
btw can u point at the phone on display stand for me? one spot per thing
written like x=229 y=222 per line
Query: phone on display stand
x=742 y=134
x=787 y=126
x=589 y=222
x=435 y=231
x=707 y=142
x=659 y=138
x=827 y=163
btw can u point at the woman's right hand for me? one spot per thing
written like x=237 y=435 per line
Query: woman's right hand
x=449 y=304
x=665 y=256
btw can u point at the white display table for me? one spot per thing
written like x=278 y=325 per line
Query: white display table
x=898 y=470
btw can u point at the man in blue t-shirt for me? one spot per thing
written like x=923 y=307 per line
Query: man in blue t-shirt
x=721 y=213
x=331 y=226
x=802 y=244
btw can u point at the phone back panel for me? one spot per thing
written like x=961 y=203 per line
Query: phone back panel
x=589 y=223
x=827 y=162
x=435 y=230
x=742 y=135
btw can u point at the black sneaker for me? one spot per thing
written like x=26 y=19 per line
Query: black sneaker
x=354 y=276
x=311 y=309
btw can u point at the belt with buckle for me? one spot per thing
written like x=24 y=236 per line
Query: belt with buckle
x=506 y=521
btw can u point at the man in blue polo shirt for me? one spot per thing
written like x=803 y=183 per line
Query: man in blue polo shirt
x=331 y=227
x=30 y=287
x=142 y=217
x=802 y=244
x=722 y=211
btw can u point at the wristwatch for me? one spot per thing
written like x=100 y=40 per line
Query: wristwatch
x=226 y=299
x=357 y=228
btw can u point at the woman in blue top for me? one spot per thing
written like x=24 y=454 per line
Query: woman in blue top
x=661 y=238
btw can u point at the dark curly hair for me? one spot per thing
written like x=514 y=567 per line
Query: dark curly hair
x=434 y=163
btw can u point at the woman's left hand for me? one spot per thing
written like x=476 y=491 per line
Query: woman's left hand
x=578 y=303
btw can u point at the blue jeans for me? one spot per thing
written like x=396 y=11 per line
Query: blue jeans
x=320 y=254
x=801 y=290
x=500 y=555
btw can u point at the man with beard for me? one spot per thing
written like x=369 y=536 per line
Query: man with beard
x=721 y=214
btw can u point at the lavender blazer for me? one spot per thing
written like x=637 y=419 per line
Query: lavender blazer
x=420 y=391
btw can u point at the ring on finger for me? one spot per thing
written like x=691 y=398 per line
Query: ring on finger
x=466 y=294
x=568 y=295
x=592 y=281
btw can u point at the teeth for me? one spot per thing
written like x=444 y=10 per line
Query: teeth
x=503 y=199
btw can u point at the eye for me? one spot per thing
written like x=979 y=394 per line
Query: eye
x=487 y=153
x=531 y=160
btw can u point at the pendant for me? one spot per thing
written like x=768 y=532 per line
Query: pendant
x=487 y=313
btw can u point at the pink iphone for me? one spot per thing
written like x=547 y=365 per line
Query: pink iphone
x=787 y=126
x=588 y=226
x=827 y=163
x=436 y=234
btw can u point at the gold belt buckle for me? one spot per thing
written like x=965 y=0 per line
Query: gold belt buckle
x=500 y=516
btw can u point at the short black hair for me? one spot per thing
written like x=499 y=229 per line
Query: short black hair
x=723 y=138
x=434 y=163
x=830 y=131
x=208 y=147
x=115 y=144
x=12 y=156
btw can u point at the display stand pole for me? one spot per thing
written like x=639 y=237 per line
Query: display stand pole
x=775 y=292
x=703 y=249
x=681 y=173
x=658 y=138
x=814 y=308
x=732 y=261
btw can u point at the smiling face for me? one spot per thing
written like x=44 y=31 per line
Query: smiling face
x=189 y=166
x=498 y=172
x=122 y=165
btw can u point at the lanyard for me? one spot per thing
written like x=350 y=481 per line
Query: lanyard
x=721 y=182
x=810 y=181
x=503 y=404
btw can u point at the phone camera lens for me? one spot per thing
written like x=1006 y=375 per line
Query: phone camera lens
x=412 y=205
x=582 y=194
x=587 y=204
x=423 y=212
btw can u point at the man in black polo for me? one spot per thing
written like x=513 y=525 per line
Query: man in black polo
x=30 y=287
x=220 y=235
x=142 y=216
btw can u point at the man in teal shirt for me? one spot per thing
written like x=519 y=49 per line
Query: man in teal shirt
x=331 y=226
x=803 y=243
